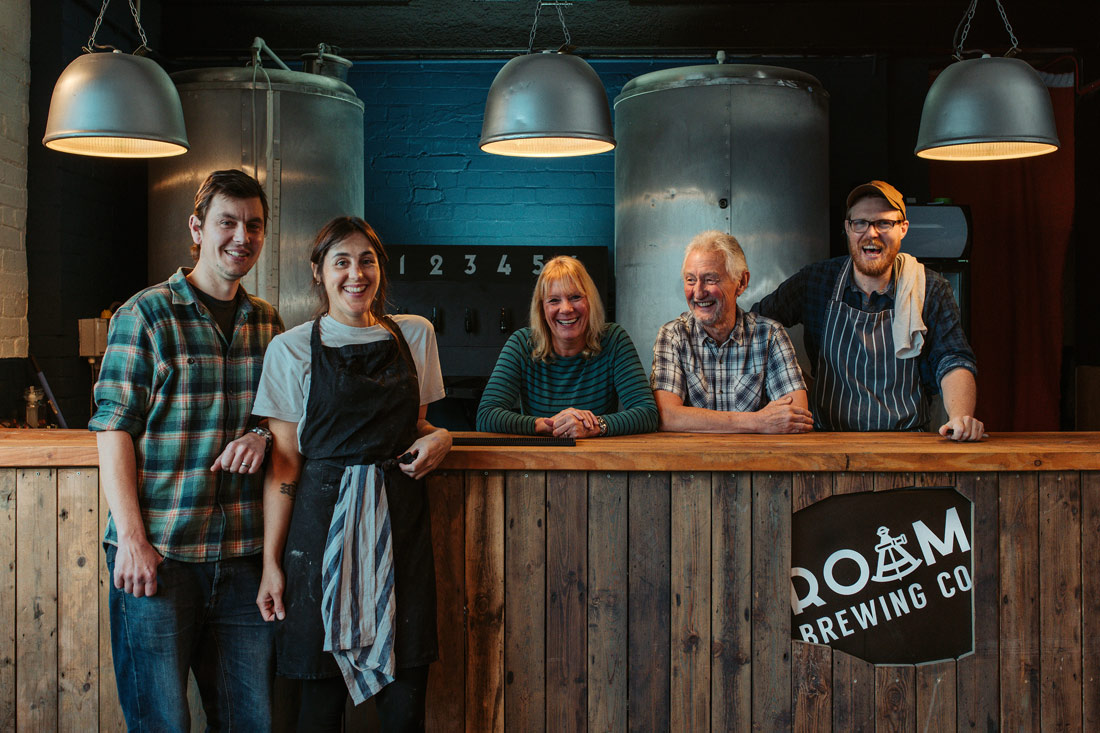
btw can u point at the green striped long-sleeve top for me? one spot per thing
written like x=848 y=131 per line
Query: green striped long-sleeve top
x=522 y=389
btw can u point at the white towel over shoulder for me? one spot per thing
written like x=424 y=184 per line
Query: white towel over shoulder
x=909 y=328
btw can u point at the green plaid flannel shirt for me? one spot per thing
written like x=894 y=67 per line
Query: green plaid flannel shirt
x=170 y=380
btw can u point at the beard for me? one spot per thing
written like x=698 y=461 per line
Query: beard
x=876 y=267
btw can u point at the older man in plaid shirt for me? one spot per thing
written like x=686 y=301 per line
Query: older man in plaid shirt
x=179 y=465
x=718 y=369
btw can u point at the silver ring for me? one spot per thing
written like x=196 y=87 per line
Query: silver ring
x=244 y=465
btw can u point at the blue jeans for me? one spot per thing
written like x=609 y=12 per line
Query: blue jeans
x=203 y=618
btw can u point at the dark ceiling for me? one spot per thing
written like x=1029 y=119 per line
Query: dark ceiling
x=223 y=29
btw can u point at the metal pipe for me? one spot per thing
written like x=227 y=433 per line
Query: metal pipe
x=258 y=45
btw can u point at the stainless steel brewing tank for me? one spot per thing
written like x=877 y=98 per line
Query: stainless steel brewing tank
x=739 y=148
x=300 y=134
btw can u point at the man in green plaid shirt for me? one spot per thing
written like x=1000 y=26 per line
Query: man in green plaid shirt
x=180 y=462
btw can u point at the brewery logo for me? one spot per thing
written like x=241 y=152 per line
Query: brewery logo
x=885 y=576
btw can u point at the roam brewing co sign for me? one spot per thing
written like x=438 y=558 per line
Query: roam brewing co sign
x=885 y=576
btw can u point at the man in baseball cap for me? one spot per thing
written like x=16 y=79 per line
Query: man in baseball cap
x=883 y=334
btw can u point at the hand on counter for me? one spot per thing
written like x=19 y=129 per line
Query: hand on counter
x=963 y=427
x=783 y=416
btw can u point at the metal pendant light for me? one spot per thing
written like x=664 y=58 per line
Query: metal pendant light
x=115 y=105
x=986 y=108
x=547 y=105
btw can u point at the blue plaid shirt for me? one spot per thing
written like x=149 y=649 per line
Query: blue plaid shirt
x=753 y=366
x=170 y=380
x=804 y=296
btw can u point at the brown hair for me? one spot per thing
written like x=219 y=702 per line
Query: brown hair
x=333 y=233
x=571 y=271
x=233 y=184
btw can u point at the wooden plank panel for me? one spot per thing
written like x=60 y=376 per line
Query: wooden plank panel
x=936 y=684
x=77 y=592
x=690 y=612
x=649 y=601
x=1019 y=595
x=566 y=601
x=1060 y=599
x=771 y=591
x=36 y=599
x=525 y=601
x=848 y=482
x=607 y=598
x=110 y=712
x=812 y=696
x=7 y=599
x=731 y=589
x=853 y=694
x=887 y=481
x=895 y=699
x=484 y=553
x=977 y=674
x=447 y=681
x=1090 y=599
x=809 y=488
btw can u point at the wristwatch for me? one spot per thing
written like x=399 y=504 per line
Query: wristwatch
x=602 y=425
x=266 y=434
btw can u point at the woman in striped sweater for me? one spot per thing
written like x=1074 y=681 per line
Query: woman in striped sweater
x=571 y=373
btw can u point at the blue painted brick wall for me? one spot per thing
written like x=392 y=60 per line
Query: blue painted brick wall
x=427 y=182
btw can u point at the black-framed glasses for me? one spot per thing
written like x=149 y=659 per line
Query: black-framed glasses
x=859 y=226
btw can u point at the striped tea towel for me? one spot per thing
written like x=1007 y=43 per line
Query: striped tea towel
x=357 y=601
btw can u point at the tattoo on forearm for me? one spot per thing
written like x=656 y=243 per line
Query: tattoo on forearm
x=290 y=489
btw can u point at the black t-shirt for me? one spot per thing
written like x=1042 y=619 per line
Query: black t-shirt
x=224 y=312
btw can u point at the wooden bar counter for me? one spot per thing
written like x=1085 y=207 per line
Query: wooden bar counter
x=636 y=583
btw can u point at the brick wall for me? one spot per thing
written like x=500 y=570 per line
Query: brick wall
x=14 y=115
x=427 y=182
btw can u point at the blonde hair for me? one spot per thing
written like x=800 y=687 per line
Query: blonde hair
x=571 y=272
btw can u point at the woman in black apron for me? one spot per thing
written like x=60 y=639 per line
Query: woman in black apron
x=363 y=408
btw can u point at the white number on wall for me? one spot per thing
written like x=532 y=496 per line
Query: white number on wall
x=504 y=266
x=401 y=265
x=471 y=268
x=536 y=260
x=437 y=265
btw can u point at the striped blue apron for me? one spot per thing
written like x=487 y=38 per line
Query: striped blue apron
x=859 y=385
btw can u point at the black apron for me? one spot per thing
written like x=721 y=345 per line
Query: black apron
x=859 y=384
x=363 y=405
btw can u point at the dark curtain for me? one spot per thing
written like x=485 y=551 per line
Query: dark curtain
x=1022 y=223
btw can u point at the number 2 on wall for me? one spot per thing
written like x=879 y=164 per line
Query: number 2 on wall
x=437 y=262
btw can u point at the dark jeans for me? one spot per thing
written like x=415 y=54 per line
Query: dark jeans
x=203 y=618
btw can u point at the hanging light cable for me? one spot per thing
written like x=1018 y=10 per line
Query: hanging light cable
x=986 y=108
x=115 y=105
x=547 y=105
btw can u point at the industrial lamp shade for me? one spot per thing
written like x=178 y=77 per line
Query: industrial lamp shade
x=547 y=105
x=115 y=105
x=987 y=109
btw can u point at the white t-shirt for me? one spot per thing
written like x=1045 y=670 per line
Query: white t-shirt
x=284 y=385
